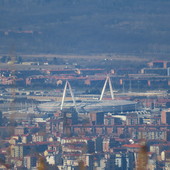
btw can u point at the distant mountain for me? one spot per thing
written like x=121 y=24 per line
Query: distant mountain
x=127 y=27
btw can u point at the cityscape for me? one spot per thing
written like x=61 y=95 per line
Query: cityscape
x=84 y=85
x=72 y=116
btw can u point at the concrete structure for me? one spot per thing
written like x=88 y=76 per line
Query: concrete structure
x=165 y=117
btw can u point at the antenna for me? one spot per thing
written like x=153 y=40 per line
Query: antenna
x=104 y=87
x=67 y=85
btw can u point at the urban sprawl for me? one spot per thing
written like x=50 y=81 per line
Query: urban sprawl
x=67 y=114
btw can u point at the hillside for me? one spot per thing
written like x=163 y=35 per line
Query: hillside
x=124 y=27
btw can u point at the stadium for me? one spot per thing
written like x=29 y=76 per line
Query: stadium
x=89 y=105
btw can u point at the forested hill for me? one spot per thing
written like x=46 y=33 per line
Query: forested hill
x=127 y=27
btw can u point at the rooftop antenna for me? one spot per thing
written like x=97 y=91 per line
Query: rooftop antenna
x=67 y=85
x=104 y=87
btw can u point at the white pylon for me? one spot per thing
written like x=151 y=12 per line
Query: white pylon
x=67 y=85
x=104 y=87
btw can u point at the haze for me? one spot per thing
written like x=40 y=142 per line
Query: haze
x=122 y=27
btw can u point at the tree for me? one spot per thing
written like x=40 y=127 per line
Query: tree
x=5 y=59
x=81 y=165
x=19 y=59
